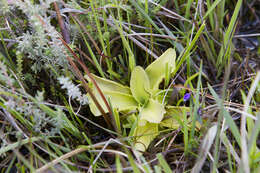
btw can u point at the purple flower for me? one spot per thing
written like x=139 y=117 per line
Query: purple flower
x=186 y=97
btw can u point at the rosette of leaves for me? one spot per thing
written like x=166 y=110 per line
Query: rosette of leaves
x=143 y=95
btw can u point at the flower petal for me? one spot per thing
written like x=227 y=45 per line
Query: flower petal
x=186 y=97
x=152 y=112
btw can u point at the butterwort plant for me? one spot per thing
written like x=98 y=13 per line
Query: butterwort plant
x=143 y=95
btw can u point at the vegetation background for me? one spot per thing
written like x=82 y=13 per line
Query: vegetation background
x=48 y=46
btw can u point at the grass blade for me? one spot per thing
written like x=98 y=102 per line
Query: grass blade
x=232 y=125
x=228 y=33
x=163 y=163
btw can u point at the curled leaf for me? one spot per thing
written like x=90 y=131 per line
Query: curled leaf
x=157 y=70
x=140 y=85
x=119 y=95
x=145 y=135
x=174 y=116
x=120 y=101
x=109 y=85
x=152 y=112
x=171 y=122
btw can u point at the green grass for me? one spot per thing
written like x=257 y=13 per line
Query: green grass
x=45 y=127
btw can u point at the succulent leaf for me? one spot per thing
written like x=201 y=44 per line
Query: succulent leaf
x=140 y=85
x=120 y=101
x=152 y=112
x=157 y=70
x=109 y=85
x=145 y=135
